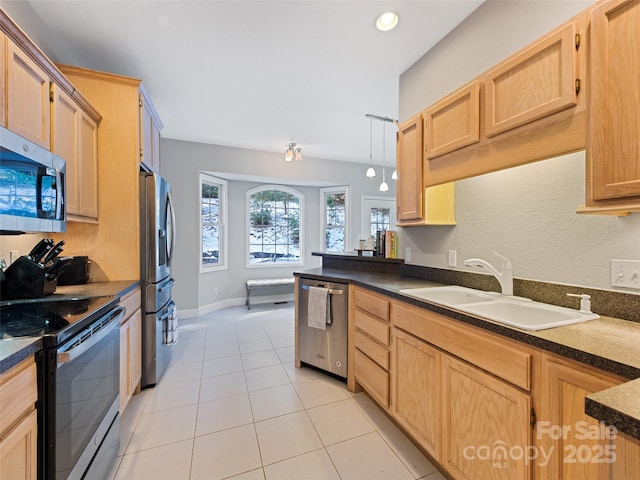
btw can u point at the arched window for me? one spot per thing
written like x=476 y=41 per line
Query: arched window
x=275 y=226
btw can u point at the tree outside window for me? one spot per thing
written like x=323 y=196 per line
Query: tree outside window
x=380 y=219
x=274 y=226
x=334 y=204
x=212 y=217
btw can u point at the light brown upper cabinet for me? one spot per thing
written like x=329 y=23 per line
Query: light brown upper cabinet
x=415 y=204
x=538 y=81
x=453 y=122
x=3 y=77
x=409 y=168
x=74 y=137
x=150 y=126
x=529 y=107
x=613 y=140
x=27 y=97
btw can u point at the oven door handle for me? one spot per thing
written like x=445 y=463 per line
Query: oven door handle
x=116 y=316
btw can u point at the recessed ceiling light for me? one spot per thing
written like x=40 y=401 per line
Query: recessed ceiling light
x=387 y=21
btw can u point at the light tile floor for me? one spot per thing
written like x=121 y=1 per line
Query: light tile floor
x=231 y=404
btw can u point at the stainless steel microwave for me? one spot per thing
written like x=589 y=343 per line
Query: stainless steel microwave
x=32 y=186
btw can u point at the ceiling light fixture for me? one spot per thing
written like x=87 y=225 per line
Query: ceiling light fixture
x=387 y=21
x=294 y=152
x=371 y=172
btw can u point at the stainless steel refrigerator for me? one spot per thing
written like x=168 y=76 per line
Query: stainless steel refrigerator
x=157 y=241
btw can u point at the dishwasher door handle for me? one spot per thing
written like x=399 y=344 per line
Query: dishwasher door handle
x=332 y=291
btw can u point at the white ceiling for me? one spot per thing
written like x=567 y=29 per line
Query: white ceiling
x=260 y=74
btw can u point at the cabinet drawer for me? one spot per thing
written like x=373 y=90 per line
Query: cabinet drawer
x=373 y=378
x=369 y=302
x=374 y=350
x=373 y=327
x=18 y=393
x=132 y=302
x=496 y=355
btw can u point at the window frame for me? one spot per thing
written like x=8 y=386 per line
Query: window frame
x=301 y=227
x=323 y=215
x=368 y=201
x=208 y=179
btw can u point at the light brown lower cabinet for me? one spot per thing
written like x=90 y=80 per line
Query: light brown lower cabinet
x=579 y=447
x=627 y=462
x=416 y=389
x=18 y=450
x=466 y=397
x=486 y=425
x=19 y=422
x=130 y=348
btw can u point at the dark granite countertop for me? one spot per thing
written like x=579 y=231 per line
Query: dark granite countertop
x=610 y=344
x=13 y=351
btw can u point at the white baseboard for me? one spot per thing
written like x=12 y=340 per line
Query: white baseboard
x=233 y=302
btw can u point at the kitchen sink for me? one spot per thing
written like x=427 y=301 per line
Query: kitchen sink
x=513 y=311
x=450 y=296
x=529 y=315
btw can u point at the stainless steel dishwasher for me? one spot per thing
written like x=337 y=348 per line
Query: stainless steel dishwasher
x=324 y=349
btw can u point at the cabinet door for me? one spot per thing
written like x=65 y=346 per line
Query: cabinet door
x=575 y=455
x=27 y=97
x=534 y=83
x=453 y=122
x=74 y=138
x=627 y=464
x=88 y=166
x=416 y=389
x=409 y=191
x=135 y=357
x=149 y=136
x=64 y=142
x=484 y=419
x=3 y=76
x=613 y=144
x=18 y=450
x=125 y=364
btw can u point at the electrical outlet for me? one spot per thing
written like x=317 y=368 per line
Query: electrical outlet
x=452 y=258
x=13 y=256
x=625 y=273
x=407 y=254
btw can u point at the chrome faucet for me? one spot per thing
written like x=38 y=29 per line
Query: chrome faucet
x=505 y=277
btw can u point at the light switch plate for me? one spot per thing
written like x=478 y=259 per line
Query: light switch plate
x=625 y=273
x=407 y=254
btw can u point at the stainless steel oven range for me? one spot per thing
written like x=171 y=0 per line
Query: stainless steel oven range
x=78 y=381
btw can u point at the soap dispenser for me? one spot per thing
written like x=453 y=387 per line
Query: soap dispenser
x=585 y=301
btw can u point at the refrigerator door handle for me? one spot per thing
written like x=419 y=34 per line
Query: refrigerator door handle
x=169 y=282
x=173 y=228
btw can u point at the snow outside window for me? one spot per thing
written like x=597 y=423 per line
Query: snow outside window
x=275 y=226
x=334 y=203
x=213 y=205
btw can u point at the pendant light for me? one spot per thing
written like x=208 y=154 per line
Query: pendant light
x=371 y=172
x=383 y=186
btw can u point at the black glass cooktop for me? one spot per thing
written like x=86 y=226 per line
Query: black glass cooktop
x=54 y=320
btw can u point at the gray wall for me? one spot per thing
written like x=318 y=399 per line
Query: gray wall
x=526 y=213
x=194 y=292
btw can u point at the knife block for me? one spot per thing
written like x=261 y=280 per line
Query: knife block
x=26 y=279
